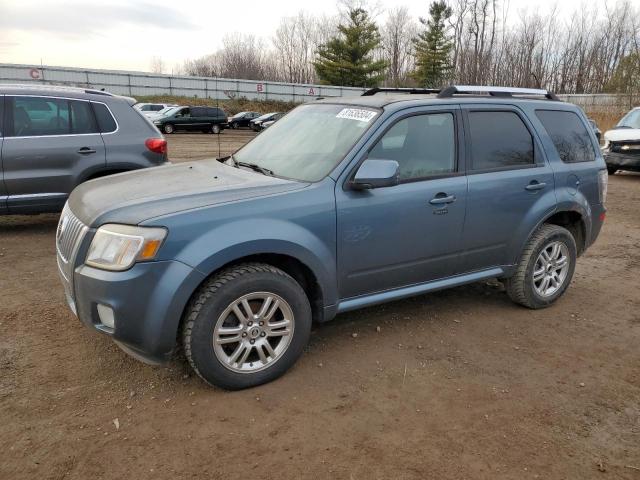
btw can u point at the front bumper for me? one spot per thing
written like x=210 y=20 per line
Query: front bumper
x=147 y=301
x=623 y=161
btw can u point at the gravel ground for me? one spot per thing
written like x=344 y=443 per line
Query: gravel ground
x=453 y=385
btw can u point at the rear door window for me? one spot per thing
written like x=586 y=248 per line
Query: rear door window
x=569 y=135
x=81 y=118
x=499 y=139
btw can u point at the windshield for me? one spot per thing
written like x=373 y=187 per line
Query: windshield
x=307 y=143
x=266 y=115
x=171 y=111
x=630 y=120
x=240 y=114
x=165 y=110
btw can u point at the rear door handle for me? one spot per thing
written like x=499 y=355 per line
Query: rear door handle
x=535 y=185
x=442 y=198
x=86 y=151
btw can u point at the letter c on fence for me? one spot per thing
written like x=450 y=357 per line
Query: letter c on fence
x=34 y=73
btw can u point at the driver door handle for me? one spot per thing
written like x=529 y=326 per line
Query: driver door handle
x=86 y=151
x=442 y=198
x=535 y=185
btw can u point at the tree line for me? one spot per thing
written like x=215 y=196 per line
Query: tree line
x=595 y=49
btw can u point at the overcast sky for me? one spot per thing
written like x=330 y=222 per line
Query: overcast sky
x=122 y=34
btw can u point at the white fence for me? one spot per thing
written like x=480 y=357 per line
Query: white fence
x=141 y=84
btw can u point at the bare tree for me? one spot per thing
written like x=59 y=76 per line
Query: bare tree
x=397 y=46
x=156 y=65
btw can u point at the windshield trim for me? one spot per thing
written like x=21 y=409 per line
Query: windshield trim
x=375 y=121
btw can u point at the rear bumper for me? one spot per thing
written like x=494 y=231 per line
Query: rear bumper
x=623 y=161
x=147 y=302
x=598 y=213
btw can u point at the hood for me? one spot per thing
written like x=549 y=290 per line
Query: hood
x=134 y=197
x=622 y=134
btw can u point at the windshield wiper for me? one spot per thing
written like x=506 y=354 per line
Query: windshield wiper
x=253 y=166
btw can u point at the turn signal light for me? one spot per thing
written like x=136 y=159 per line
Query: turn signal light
x=157 y=145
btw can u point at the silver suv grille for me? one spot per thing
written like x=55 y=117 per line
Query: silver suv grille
x=69 y=233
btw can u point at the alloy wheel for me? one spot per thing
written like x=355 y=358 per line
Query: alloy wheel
x=253 y=332
x=551 y=269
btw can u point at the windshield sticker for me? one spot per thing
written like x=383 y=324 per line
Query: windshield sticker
x=356 y=114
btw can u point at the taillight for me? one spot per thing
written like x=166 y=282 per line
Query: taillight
x=603 y=181
x=157 y=145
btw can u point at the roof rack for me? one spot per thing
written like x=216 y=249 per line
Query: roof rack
x=60 y=88
x=495 y=91
x=373 y=91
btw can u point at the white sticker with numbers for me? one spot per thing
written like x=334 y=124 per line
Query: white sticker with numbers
x=356 y=114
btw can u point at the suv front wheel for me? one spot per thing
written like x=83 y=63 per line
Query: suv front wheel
x=545 y=268
x=246 y=326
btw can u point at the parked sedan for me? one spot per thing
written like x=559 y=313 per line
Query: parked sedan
x=204 y=119
x=258 y=124
x=152 y=108
x=242 y=119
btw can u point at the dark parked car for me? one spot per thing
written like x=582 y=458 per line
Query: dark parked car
x=242 y=119
x=54 y=138
x=342 y=204
x=199 y=119
x=256 y=125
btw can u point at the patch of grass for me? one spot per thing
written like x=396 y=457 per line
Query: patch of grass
x=230 y=106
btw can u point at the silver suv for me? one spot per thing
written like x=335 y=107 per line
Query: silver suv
x=54 y=138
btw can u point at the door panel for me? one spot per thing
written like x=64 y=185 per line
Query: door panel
x=511 y=185
x=3 y=190
x=392 y=237
x=411 y=232
x=40 y=171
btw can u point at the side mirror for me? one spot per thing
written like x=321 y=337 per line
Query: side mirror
x=376 y=174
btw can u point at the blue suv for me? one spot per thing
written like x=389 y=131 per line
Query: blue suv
x=344 y=203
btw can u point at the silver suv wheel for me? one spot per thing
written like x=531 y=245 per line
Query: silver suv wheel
x=253 y=332
x=551 y=268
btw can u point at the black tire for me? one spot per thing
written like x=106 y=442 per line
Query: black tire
x=216 y=129
x=211 y=301
x=234 y=125
x=168 y=128
x=520 y=287
x=611 y=169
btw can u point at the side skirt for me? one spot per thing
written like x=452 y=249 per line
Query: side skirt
x=354 y=303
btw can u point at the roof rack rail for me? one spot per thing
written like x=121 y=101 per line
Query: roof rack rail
x=373 y=91
x=495 y=91
x=59 y=88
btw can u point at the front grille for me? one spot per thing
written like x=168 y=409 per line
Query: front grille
x=69 y=234
x=625 y=147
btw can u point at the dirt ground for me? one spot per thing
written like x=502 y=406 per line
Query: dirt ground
x=460 y=384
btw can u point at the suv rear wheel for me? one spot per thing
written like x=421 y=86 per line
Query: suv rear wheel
x=246 y=326
x=545 y=268
x=215 y=129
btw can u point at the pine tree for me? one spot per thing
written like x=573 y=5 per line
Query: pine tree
x=347 y=59
x=433 y=47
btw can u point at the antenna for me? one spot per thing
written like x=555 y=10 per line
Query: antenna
x=218 y=107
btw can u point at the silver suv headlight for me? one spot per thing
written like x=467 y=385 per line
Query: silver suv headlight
x=118 y=247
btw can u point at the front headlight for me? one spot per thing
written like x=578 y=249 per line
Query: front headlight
x=118 y=247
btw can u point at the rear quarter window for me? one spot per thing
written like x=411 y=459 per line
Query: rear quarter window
x=568 y=134
x=106 y=122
